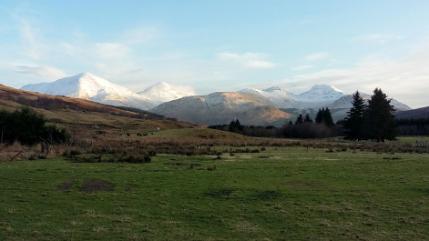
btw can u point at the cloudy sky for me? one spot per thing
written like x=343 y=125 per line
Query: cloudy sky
x=222 y=45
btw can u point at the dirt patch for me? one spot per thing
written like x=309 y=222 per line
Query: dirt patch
x=66 y=186
x=267 y=195
x=220 y=193
x=96 y=185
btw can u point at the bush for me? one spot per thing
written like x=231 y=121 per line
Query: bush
x=29 y=128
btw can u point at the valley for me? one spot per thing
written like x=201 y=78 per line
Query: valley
x=214 y=120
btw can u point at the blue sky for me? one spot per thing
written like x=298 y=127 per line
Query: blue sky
x=222 y=45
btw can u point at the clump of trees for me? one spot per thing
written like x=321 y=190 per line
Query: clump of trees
x=249 y=130
x=374 y=120
x=304 y=127
x=235 y=126
x=324 y=116
x=29 y=128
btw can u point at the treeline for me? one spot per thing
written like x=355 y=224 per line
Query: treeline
x=29 y=128
x=413 y=127
x=303 y=127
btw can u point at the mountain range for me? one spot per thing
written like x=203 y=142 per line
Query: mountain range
x=91 y=87
x=252 y=106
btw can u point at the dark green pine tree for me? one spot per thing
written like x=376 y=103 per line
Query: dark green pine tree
x=299 y=120
x=327 y=118
x=308 y=119
x=379 y=120
x=235 y=126
x=354 y=121
x=324 y=117
x=319 y=116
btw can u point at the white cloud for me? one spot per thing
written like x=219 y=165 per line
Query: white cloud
x=30 y=40
x=406 y=79
x=111 y=50
x=318 y=56
x=44 y=72
x=140 y=35
x=302 y=67
x=247 y=60
x=378 y=38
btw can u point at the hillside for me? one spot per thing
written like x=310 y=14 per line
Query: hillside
x=221 y=108
x=85 y=119
x=420 y=113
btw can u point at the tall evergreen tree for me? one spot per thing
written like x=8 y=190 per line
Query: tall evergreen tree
x=308 y=119
x=327 y=117
x=355 y=118
x=299 y=120
x=324 y=117
x=319 y=116
x=379 y=120
x=235 y=126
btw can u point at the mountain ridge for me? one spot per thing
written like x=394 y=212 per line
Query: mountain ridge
x=91 y=87
x=275 y=103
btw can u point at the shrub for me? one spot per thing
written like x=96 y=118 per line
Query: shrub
x=29 y=128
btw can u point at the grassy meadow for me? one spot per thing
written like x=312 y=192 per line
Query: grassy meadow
x=284 y=193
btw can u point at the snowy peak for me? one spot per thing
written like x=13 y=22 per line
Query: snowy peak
x=321 y=93
x=279 y=92
x=164 y=92
x=276 y=95
x=92 y=87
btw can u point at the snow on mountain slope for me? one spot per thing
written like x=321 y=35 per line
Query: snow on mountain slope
x=317 y=96
x=164 y=92
x=279 y=97
x=320 y=93
x=91 y=87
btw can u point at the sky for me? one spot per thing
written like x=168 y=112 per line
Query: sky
x=222 y=45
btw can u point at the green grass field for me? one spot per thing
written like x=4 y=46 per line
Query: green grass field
x=279 y=194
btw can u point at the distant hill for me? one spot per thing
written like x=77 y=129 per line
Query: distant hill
x=50 y=102
x=222 y=107
x=420 y=113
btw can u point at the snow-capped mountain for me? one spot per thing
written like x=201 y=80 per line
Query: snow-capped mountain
x=89 y=86
x=278 y=96
x=317 y=96
x=320 y=93
x=164 y=92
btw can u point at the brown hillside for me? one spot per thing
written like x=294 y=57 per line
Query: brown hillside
x=87 y=120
